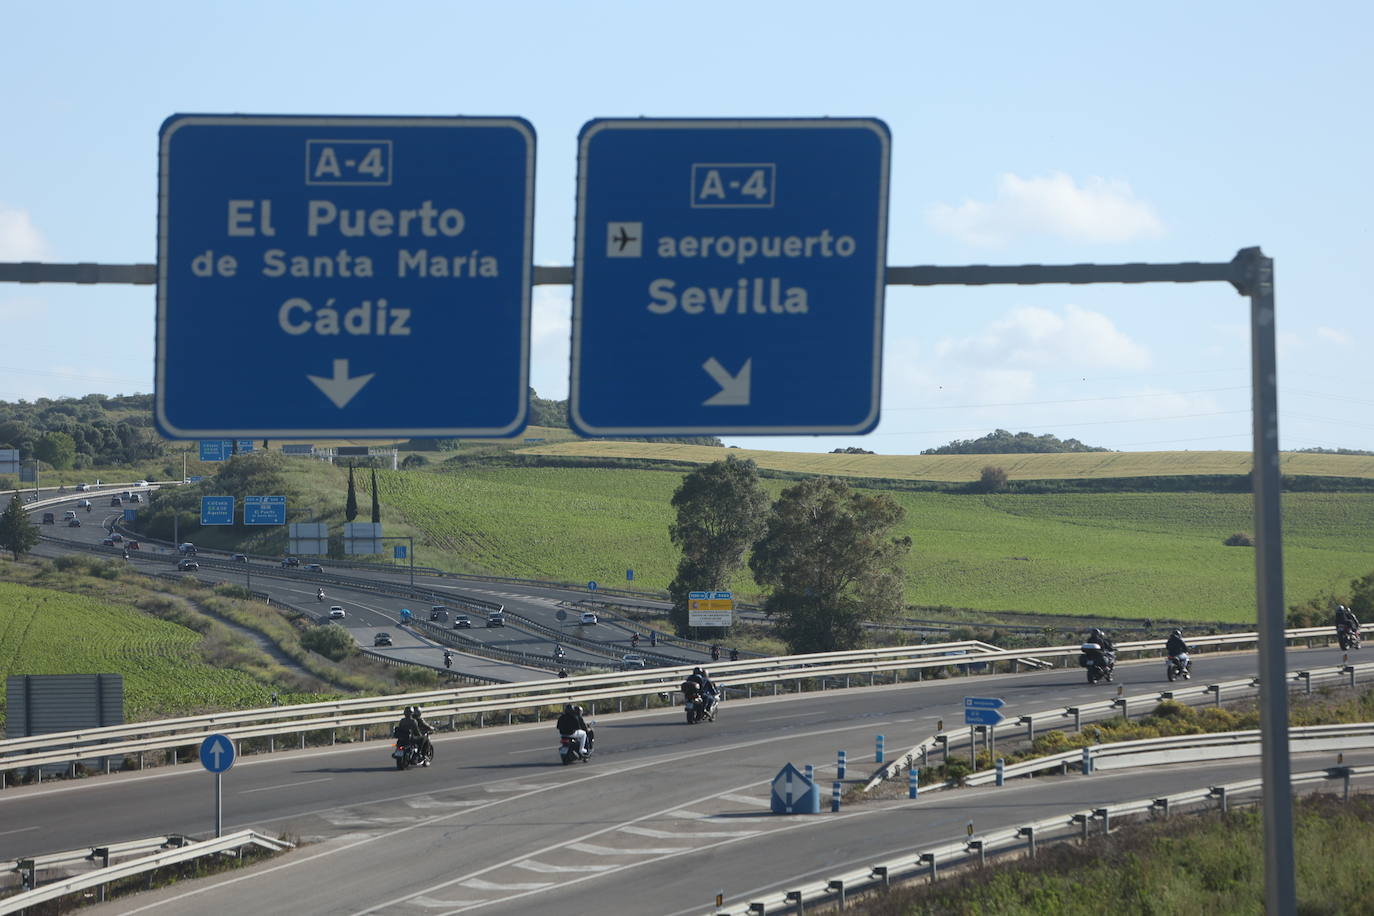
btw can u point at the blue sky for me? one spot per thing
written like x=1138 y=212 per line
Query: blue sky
x=1045 y=133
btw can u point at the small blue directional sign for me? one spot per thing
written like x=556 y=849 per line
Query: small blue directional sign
x=984 y=702
x=217 y=753
x=398 y=551
x=217 y=510
x=974 y=716
x=729 y=276
x=215 y=449
x=245 y=446
x=130 y=515
x=629 y=575
x=340 y=262
x=264 y=510
x=792 y=793
x=591 y=586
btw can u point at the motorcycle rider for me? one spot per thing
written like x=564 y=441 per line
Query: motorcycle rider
x=406 y=732
x=698 y=681
x=1177 y=648
x=319 y=595
x=448 y=659
x=424 y=728
x=734 y=654
x=572 y=725
x=1346 y=621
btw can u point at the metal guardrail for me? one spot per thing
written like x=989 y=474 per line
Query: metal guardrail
x=926 y=861
x=946 y=740
x=103 y=876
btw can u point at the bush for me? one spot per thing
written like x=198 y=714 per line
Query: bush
x=1239 y=539
x=993 y=479
x=331 y=640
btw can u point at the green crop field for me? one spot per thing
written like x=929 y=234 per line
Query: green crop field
x=963 y=468
x=50 y=632
x=1119 y=554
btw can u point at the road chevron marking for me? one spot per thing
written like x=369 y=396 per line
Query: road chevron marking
x=678 y=834
x=595 y=850
x=478 y=884
x=747 y=800
x=531 y=865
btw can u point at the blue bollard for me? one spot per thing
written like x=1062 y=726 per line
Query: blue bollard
x=1001 y=772
x=878 y=752
x=810 y=772
x=839 y=765
x=913 y=783
x=1087 y=760
x=835 y=796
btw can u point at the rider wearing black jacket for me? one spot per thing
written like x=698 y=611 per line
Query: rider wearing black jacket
x=426 y=746
x=571 y=722
x=1175 y=645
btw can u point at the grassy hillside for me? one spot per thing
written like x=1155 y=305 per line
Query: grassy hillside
x=963 y=468
x=1129 y=554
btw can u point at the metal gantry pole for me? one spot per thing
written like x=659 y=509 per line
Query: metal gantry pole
x=1280 y=883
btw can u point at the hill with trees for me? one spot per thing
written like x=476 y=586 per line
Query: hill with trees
x=1001 y=442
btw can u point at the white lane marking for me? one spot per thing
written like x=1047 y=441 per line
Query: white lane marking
x=479 y=885
x=285 y=785
x=529 y=750
x=595 y=850
x=747 y=800
x=426 y=801
x=19 y=830
x=436 y=904
x=779 y=718
x=678 y=834
x=514 y=787
x=355 y=820
x=531 y=865
x=687 y=815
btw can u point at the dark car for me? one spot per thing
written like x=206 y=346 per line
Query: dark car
x=108 y=542
x=290 y=561
x=188 y=565
x=496 y=619
x=438 y=612
x=381 y=639
x=239 y=558
x=131 y=545
x=135 y=498
x=314 y=567
x=462 y=622
x=73 y=523
x=116 y=501
x=47 y=518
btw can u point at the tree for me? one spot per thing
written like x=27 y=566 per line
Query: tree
x=827 y=556
x=993 y=479
x=57 y=449
x=376 y=506
x=721 y=509
x=351 y=505
x=17 y=533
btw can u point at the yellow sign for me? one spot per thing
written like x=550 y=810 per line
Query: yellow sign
x=710 y=604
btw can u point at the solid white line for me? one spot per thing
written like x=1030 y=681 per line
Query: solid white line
x=528 y=750
x=531 y=865
x=480 y=885
x=678 y=834
x=19 y=830
x=595 y=850
x=746 y=800
x=285 y=785
x=779 y=718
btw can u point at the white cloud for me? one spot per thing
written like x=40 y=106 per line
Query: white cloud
x=1099 y=210
x=1335 y=335
x=550 y=333
x=20 y=239
x=1037 y=338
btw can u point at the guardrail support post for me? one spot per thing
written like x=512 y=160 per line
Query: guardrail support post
x=795 y=897
x=1001 y=772
x=880 y=871
x=943 y=741
x=1350 y=670
x=1030 y=728
x=982 y=853
x=838 y=887
x=1121 y=701
x=1220 y=793
x=302 y=740
x=174 y=757
x=1215 y=689
x=1307 y=681
x=1029 y=834
x=1162 y=805
x=1077 y=718
x=1083 y=819
x=756 y=908
x=1106 y=815
x=333 y=736
x=934 y=871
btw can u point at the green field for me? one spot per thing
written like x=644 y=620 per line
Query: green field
x=165 y=672
x=1117 y=554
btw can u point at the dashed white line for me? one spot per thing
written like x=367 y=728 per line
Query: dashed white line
x=285 y=785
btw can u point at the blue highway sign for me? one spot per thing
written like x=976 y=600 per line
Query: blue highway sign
x=264 y=510
x=982 y=716
x=215 y=449
x=729 y=276
x=217 y=753
x=984 y=702
x=316 y=276
x=217 y=510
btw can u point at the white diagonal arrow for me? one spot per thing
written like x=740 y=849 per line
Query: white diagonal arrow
x=340 y=389
x=734 y=389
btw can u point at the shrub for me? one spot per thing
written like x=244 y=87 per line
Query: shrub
x=993 y=479
x=331 y=640
x=1239 y=539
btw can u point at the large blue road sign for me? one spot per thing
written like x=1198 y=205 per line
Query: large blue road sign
x=984 y=702
x=264 y=510
x=217 y=510
x=223 y=449
x=975 y=716
x=217 y=753
x=319 y=276
x=729 y=276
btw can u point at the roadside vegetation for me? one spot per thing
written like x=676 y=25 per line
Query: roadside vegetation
x=1207 y=863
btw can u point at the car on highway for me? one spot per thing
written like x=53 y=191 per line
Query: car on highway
x=462 y=622
x=240 y=558
x=107 y=542
x=70 y=513
x=290 y=561
x=186 y=564
x=632 y=661
x=73 y=523
x=187 y=548
x=314 y=567
x=438 y=612
x=140 y=483
x=117 y=537
x=381 y=639
x=48 y=518
x=496 y=619
x=132 y=545
x=83 y=504
x=82 y=487
x=116 y=501
x=135 y=498
x=336 y=613
x=588 y=619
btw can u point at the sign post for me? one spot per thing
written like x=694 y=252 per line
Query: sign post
x=315 y=273
x=729 y=276
x=217 y=755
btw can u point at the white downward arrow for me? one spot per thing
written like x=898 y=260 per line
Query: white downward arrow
x=340 y=389
x=734 y=389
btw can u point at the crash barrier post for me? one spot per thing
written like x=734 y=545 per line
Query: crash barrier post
x=835 y=788
x=878 y=750
x=880 y=872
x=838 y=887
x=1219 y=792
x=913 y=783
x=1001 y=771
x=796 y=897
x=1106 y=815
x=1162 y=806
x=840 y=764
x=1307 y=681
x=982 y=852
x=1083 y=819
x=930 y=857
x=1087 y=761
x=1029 y=834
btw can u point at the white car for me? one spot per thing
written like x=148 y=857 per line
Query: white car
x=588 y=618
x=336 y=613
x=632 y=661
x=140 y=483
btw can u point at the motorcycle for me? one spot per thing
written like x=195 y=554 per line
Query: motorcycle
x=699 y=707
x=1179 y=666
x=1099 y=663
x=1348 y=636
x=410 y=755
x=319 y=596
x=568 y=752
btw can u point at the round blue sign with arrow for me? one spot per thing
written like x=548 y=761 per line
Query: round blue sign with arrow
x=217 y=753
x=591 y=586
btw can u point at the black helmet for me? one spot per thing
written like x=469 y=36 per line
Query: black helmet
x=578 y=710
x=1097 y=633
x=408 y=713
x=1177 y=632
x=698 y=670
x=568 y=707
